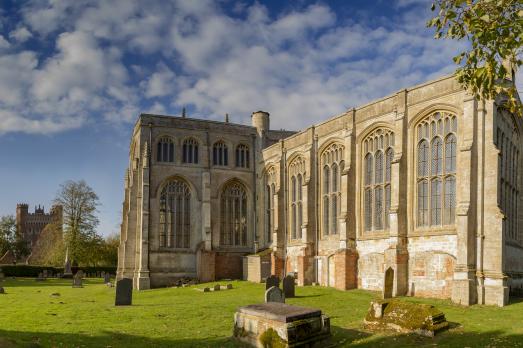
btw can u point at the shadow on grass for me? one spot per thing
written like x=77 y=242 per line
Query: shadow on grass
x=342 y=337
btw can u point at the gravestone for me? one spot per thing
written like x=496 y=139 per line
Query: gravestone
x=2 y=291
x=229 y=286
x=77 y=280
x=388 y=283
x=206 y=289
x=68 y=273
x=289 y=286
x=281 y=325
x=2 y=276
x=40 y=277
x=103 y=274
x=45 y=275
x=274 y=294
x=107 y=278
x=217 y=287
x=124 y=292
x=405 y=317
x=272 y=281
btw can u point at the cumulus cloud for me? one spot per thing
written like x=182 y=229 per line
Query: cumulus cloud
x=4 y=43
x=20 y=34
x=110 y=60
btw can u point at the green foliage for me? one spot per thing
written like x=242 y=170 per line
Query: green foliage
x=494 y=29
x=79 y=203
x=50 y=248
x=9 y=238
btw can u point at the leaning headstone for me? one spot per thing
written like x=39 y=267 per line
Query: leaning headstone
x=272 y=281
x=124 y=292
x=217 y=287
x=289 y=286
x=388 y=283
x=107 y=278
x=274 y=294
x=77 y=280
x=2 y=291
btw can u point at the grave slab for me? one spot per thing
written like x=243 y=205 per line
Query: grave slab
x=280 y=325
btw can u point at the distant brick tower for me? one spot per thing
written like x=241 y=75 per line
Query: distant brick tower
x=30 y=225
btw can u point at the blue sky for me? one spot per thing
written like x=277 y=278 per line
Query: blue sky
x=74 y=76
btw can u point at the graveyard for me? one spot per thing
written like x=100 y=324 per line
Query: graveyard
x=53 y=313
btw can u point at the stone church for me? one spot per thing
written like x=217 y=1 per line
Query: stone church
x=426 y=182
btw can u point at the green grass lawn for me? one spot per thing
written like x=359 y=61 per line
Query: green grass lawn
x=184 y=317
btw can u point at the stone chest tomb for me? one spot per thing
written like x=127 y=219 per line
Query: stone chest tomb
x=281 y=325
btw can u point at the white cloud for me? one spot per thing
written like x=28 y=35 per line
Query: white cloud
x=302 y=66
x=20 y=34
x=160 y=84
x=4 y=43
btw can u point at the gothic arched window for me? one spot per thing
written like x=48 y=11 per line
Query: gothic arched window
x=378 y=152
x=165 y=150
x=242 y=156
x=296 y=177
x=332 y=164
x=175 y=215
x=220 y=154
x=509 y=145
x=270 y=191
x=190 y=151
x=436 y=170
x=233 y=208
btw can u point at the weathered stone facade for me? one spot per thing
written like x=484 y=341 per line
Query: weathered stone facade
x=425 y=181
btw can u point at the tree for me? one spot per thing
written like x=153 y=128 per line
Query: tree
x=79 y=203
x=9 y=238
x=494 y=29
x=49 y=248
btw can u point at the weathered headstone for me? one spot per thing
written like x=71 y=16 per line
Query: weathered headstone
x=2 y=276
x=40 y=277
x=107 y=278
x=229 y=286
x=206 y=289
x=2 y=291
x=77 y=280
x=388 y=283
x=124 y=292
x=274 y=294
x=289 y=286
x=103 y=274
x=272 y=281
x=217 y=287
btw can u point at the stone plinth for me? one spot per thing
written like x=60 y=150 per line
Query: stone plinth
x=423 y=319
x=278 y=324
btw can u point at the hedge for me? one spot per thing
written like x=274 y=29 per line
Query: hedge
x=33 y=271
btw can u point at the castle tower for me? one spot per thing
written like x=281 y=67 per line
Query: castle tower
x=22 y=210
